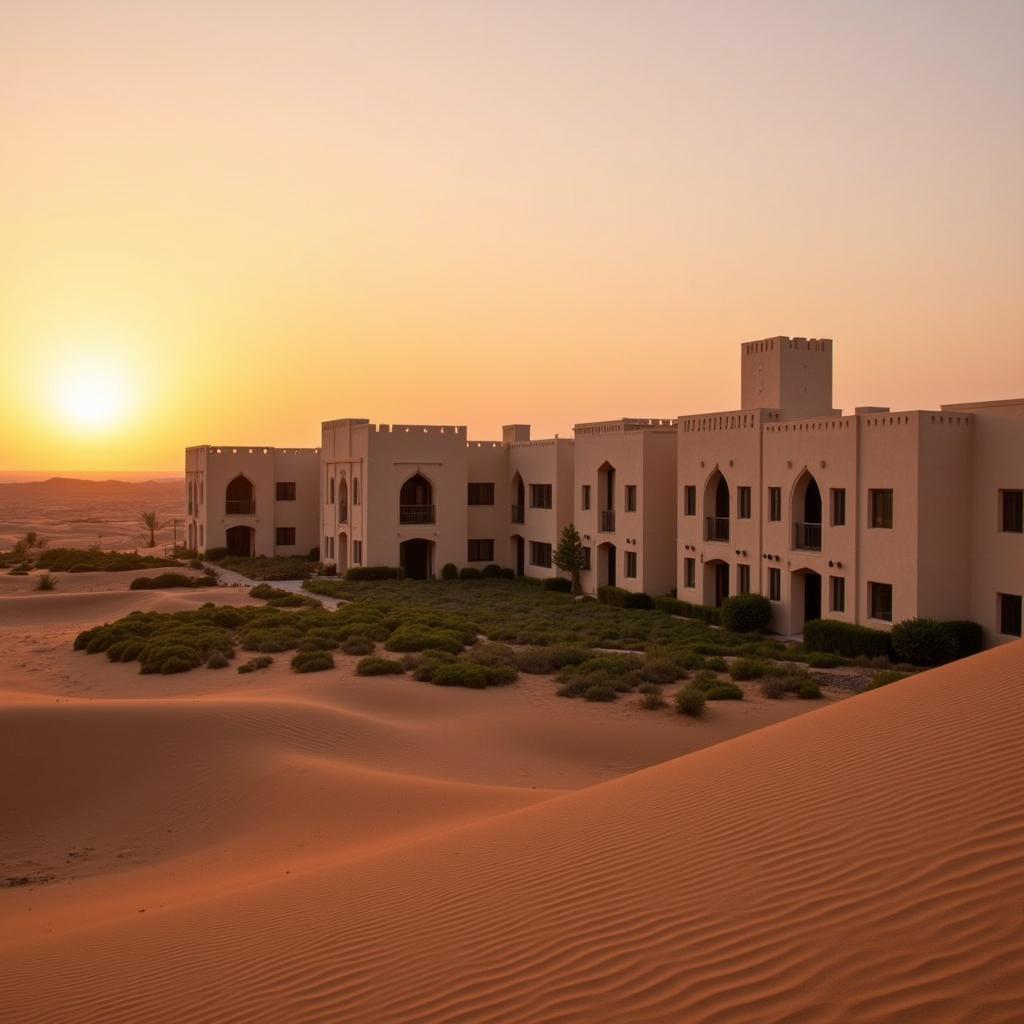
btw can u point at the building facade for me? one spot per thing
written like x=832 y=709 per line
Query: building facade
x=870 y=517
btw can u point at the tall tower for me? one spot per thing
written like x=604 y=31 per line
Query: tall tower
x=793 y=375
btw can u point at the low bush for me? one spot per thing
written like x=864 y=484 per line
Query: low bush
x=215 y=660
x=884 y=678
x=668 y=605
x=263 y=567
x=808 y=690
x=619 y=597
x=660 y=670
x=320 y=642
x=195 y=563
x=169 y=580
x=846 y=639
x=46 y=581
x=373 y=572
x=357 y=645
x=968 y=637
x=491 y=572
x=774 y=688
x=449 y=571
x=747 y=668
x=716 y=663
x=94 y=560
x=542 y=660
x=723 y=691
x=652 y=700
x=746 y=613
x=312 y=661
x=469 y=572
x=413 y=637
x=254 y=664
x=216 y=554
x=376 y=666
x=559 y=584
x=923 y=642
x=690 y=701
x=508 y=574
x=704 y=679
x=473 y=675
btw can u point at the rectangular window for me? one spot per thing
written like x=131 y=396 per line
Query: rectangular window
x=540 y=554
x=540 y=496
x=837 y=593
x=480 y=494
x=1012 y=515
x=355 y=490
x=880 y=502
x=690 y=573
x=630 y=497
x=481 y=551
x=690 y=500
x=775 y=504
x=742 y=578
x=585 y=497
x=880 y=601
x=285 y=491
x=357 y=552
x=586 y=559
x=774 y=584
x=838 y=500
x=629 y=566
x=284 y=535
x=742 y=502
x=1010 y=614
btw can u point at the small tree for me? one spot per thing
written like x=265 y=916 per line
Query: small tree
x=568 y=556
x=151 y=522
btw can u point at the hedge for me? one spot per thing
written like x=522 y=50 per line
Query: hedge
x=923 y=642
x=559 y=584
x=619 y=597
x=746 y=613
x=374 y=572
x=846 y=639
x=166 y=580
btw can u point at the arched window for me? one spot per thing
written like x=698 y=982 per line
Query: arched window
x=416 y=500
x=342 y=501
x=240 y=497
x=716 y=507
x=806 y=513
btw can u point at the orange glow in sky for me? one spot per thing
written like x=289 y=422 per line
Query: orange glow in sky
x=225 y=222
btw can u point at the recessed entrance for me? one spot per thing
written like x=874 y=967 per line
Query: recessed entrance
x=716 y=581
x=606 y=555
x=241 y=541
x=416 y=558
x=806 y=598
x=520 y=545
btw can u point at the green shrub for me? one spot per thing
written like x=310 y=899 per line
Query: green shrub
x=668 y=605
x=168 y=580
x=746 y=613
x=508 y=574
x=264 y=591
x=690 y=701
x=449 y=571
x=820 y=659
x=253 y=664
x=46 y=581
x=885 y=677
x=716 y=664
x=747 y=668
x=195 y=563
x=559 y=584
x=491 y=572
x=373 y=572
x=923 y=642
x=846 y=639
x=660 y=670
x=376 y=666
x=600 y=692
x=94 y=560
x=724 y=691
x=469 y=572
x=215 y=660
x=652 y=700
x=472 y=675
x=493 y=655
x=809 y=690
x=968 y=637
x=619 y=597
x=542 y=660
x=216 y=554
x=357 y=645
x=704 y=679
x=774 y=687
x=413 y=637
x=312 y=661
x=318 y=642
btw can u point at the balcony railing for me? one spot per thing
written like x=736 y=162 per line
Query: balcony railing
x=240 y=507
x=807 y=536
x=716 y=528
x=343 y=513
x=416 y=513
x=518 y=514
x=607 y=524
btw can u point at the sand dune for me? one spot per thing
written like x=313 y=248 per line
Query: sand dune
x=292 y=849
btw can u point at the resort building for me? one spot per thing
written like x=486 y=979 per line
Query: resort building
x=252 y=501
x=869 y=518
x=625 y=473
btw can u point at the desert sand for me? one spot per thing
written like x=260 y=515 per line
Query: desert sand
x=213 y=847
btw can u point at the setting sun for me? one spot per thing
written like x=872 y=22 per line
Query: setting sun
x=92 y=397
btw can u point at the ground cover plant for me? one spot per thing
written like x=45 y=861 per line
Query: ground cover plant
x=262 y=567
x=169 y=580
x=95 y=560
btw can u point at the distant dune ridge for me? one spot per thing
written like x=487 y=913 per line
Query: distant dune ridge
x=858 y=863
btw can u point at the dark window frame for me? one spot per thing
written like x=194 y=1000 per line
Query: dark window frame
x=1011 y=612
x=630 y=498
x=775 y=504
x=284 y=490
x=285 y=531
x=774 y=584
x=837 y=594
x=541 y=496
x=880 y=601
x=837 y=506
x=689 y=573
x=479 y=494
x=744 y=502
x=880 y=508
x=629 y=562
x=480 y=550
x=1011 y=511
x=540 y=554
x=690 y=500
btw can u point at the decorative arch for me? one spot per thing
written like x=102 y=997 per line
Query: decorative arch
x=717 y=506
x=416 y=500
x=240 y=497
x=805 y=509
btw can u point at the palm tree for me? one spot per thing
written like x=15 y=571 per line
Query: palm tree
x=151 y=521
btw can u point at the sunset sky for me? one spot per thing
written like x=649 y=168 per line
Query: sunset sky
x=224 y=222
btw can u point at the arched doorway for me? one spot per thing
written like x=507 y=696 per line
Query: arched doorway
x=716 y=581
x=518 y=500
x=342 y=559
x=805 y=598
x=416 y=557
x=416 y=500
x=240 y=497
x=241 y=541
x=716 y=507
x=606 y=556
x=806 y=512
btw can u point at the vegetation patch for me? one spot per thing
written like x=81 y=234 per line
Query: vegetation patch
x=690 y=701
x=170 y=580
x=312 y=661
x=94 y=560
x=376 y=666
x=255 y=664
x=262 y=567
x=746 y=613
x=278 y=598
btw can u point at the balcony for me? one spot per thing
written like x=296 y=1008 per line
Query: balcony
x=807 y=536
x=607 y=523
x=716 y=528
x=518 y=513
x=240 y=507
x=416 y=514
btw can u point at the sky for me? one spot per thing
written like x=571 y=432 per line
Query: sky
x=225 y=222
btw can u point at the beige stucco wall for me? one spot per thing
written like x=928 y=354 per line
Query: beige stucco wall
x=546 y=461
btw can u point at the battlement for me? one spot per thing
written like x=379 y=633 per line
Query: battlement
x=740 y=419
x=782 y=342
x=227 y=449
x=417 y=428
x=793 y=375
